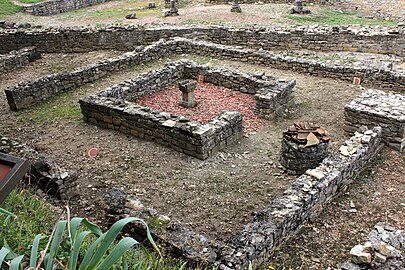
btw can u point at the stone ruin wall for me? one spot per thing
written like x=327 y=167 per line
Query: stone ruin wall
x=377 y=108
x=27 y=93
x=126 y=38
x=301 y=202
x=59 y=6
x=114 y=109
x=18 y=59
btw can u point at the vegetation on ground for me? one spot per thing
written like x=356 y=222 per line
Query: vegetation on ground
x=333 y=17
x=8 y=8
x=31 y=1
x=28 y=231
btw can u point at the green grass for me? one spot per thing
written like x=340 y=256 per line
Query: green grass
x=31 y=1
x=118 y=13
x=33 y=216
x=8 y=8
x=331 y=17
x=61 y=106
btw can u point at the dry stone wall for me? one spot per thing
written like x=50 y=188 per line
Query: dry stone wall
x=27 y=93
x=113 y=108
x=372 y=76
x=284 y=216
x=126 y=38
x=377 y=108
x=59 y=6
x=18 y=59
x=303 y=201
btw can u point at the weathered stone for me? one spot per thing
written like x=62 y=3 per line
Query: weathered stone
x=376 y=108
x=115 y=198
x=130 y=16
x=358 y=255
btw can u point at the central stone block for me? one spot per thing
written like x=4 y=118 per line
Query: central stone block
x=187 y=88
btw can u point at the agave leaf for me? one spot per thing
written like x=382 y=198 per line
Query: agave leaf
x=11 y=255
x=92 y=227
x=3 y=253
x=90 y=252
x=74 y=224
x=110 y=236
x=122 y=246
x=5 y=212
x=34 y=251
x=124 y=264
x=56 y=239
x=16 y=263
x=74 y=255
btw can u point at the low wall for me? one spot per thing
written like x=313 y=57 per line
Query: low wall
x=18 y=59
x=27 y=93
x=126 y=38
x=113 y=108
x=299 y=204
x=370 y=76
x=59 y=6
x=284 y=216
x=376 y=108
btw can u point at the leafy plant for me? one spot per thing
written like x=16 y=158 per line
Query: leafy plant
x=103 y=253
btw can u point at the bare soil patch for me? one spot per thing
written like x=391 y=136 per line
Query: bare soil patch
x=114 y=13
x=216 y=196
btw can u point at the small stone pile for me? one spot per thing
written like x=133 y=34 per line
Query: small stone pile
x=174 y=11
x=304 y=146
x=236 y=7
x=383 y=250
x=299 y=8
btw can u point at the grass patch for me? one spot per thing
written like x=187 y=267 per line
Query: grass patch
x=8 y=8
x=31 y=1
x=33 y=216
x=332 y=17
x=61 y=106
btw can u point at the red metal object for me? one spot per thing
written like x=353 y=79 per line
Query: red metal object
x=12 y=170
x=4 y=170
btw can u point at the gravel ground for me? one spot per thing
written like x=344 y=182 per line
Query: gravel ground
x=217 y=196
x=211 y=100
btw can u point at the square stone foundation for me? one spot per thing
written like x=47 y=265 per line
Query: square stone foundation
x=114 y=109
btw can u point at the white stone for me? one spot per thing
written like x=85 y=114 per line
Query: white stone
x=169 y=123
x=358 y=256
x=366 y=139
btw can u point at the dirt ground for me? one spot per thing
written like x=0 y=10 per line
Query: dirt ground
x=217 y=196
x=114 y=12
x=177 y=185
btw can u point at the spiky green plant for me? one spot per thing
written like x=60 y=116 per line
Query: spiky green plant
x=103 y=252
